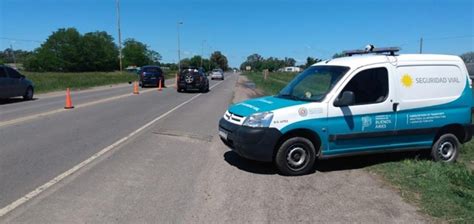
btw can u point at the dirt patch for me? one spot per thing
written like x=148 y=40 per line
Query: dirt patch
x=245 y=89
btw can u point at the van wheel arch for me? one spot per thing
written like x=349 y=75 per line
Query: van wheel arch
x=306 y=133
x=455 y=129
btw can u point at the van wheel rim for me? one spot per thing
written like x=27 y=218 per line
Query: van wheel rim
x=296 y=158
x=446 y=150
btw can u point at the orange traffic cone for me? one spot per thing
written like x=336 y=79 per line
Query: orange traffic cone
x=68 y=100
x=159 y=85
x=135 y=88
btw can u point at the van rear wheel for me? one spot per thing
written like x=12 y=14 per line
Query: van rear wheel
x=446 y=148
x=296 y=156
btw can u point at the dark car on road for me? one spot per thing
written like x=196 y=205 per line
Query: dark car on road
x=193 y=79
x=13 y=84
x=150 y=75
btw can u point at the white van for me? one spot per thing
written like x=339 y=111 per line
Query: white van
x=376 y=101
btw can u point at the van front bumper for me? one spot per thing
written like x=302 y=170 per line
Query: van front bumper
x=251 y=143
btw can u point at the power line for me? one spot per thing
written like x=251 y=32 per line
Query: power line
x=449 y=38
x=24 y=40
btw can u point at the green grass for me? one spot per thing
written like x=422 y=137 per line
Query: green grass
x=55 y=81
x=274 y=83
x=444 y=191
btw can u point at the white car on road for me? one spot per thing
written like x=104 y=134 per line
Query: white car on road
x=217 y=74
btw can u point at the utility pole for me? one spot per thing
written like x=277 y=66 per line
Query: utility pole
x=179 y=49
x=13 y=55
x=421 y=45
x=119 y=35
x=202 y=51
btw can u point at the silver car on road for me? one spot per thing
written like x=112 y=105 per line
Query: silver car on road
x=217 y=74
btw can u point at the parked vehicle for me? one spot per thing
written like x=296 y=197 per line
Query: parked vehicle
x=193 y=79
x=358 y=104
x=217 y=74
x=150 y=75
x=13 y=84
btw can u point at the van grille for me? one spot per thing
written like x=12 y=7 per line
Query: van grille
x=234 y=118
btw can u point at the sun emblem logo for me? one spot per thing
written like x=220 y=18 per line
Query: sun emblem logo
x=407 y=81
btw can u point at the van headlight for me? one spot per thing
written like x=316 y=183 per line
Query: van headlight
x=259 y=120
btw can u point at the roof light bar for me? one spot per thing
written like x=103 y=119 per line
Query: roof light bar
x=370 y=49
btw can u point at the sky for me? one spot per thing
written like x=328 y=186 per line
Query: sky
x=277 y=28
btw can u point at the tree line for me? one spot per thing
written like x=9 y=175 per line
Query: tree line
x=259 y=63
x=67 y=50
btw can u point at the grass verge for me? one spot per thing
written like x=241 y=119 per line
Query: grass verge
x=444 y=191
x=55 y=81
x=274 y=83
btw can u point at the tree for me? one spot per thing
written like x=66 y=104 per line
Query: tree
x=289 y=61
x=255 y=61
x=310 y=61
x=208 y=65
x=135 y=53
x=98 y=52
x=468 y=57
x=154 y=57
x=170 y=66
x=69 y=51
x=60 y=52
x=195 y=61
x=220 y=60
x=10 y=56
x=338 y=55
x=185 y=62
x=259 y=63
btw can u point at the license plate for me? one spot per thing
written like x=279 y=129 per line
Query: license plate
x=223 y=134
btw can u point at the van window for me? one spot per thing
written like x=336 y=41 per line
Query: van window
x=314 y=83
x=369 y=86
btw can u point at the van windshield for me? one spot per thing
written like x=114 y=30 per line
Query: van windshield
x=313 y=83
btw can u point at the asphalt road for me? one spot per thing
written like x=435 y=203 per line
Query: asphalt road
x=174 y=170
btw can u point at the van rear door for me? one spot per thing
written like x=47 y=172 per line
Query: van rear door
x=430 y=96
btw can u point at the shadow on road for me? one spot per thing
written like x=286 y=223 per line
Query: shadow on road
x=14 y=100
x=249 y=165
x=326 y=165
x=362 y=161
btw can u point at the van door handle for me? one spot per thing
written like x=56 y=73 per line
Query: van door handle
x=395 y=107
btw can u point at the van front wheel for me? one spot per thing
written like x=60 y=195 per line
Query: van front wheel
x=296 y=156
x=446 y=148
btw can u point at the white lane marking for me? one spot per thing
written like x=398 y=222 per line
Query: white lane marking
x=47 y=113
x=74 y=169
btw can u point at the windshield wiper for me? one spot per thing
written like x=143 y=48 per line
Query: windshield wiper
x=288 y=96
x=293 y=97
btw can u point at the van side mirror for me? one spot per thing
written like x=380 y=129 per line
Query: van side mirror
x=346 y=99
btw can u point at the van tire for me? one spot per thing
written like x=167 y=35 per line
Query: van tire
x=289 y=156
x=446 y=148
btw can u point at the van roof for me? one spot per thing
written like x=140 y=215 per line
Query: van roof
x=362 y=60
